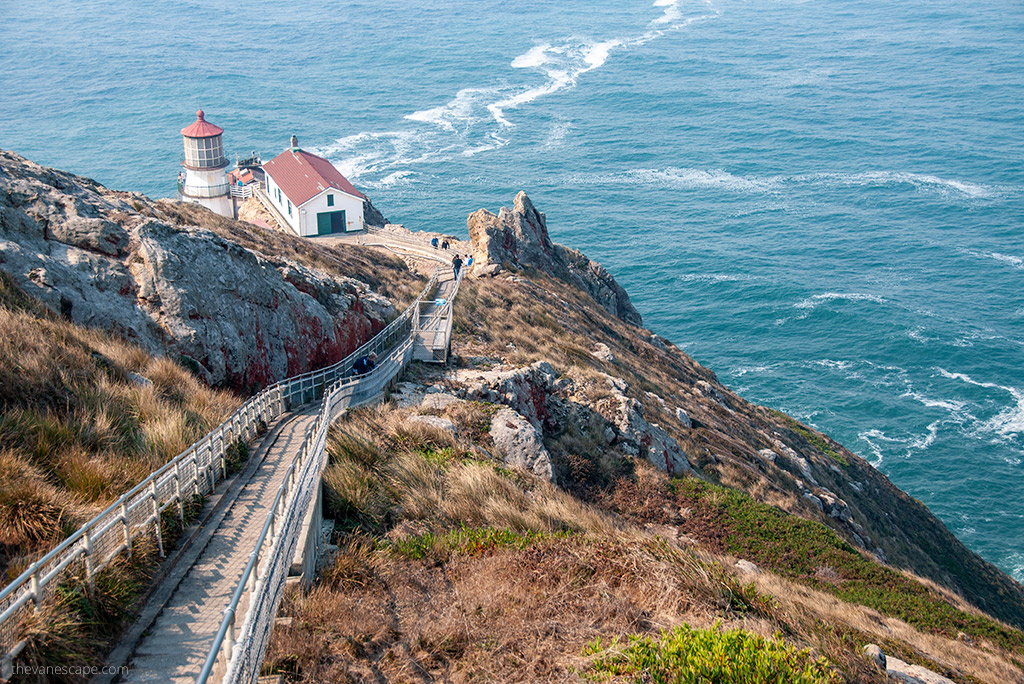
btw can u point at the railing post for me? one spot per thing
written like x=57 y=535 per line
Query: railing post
x=177 y=492
x=37 y=598
x=255 y=557
x=156 y=518
x=87 y=543
x=127 y=528
x=229 y=639
x=195 y=479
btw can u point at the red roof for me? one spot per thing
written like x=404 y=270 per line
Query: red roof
x=201 y=128
x=302 y=176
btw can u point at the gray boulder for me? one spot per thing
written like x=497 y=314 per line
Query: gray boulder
x=435 y=422
x=875 y=655
x=520 y=444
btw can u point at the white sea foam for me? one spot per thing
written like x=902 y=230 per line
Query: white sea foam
x=836 y=365
x=557 y=134
x=457 y=127
x=396 y=178
x=533 y=57
x=871 y=437
x=888 y=178
x=1015 y=261
x=1008 y=423
x=743 y=370
x=461 y=110
x=715 y=178
x=818 y=299
x=713 y=277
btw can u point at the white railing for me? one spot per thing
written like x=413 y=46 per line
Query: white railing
x=245 y=191
x=240 y=650
x=203 y=191
x=195 y=471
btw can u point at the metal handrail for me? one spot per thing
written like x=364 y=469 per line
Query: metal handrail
x=194 y=471
x=263 y=587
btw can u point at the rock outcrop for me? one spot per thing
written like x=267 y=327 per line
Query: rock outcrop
x=520 y=444
x=237 y=317
x=525 y=390
x=518 y=237
x=638 y=437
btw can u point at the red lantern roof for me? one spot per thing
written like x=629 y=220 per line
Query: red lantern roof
x=201 y=128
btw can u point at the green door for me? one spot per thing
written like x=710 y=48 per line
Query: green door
x=338 y=221
x=330 y=222
x=323 y=223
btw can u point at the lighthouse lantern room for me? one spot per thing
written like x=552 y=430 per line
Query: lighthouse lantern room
x=203 y=178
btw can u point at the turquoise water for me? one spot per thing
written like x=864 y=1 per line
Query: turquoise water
x=822 y=201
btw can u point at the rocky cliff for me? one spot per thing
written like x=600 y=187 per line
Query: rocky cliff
x=518 y=238
x=613 y=391
x=116 y=261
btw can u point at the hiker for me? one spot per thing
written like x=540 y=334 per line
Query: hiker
x=444 y=245
x=364 y=365
x=433 y=242
x=469 y=261
x=456 y=265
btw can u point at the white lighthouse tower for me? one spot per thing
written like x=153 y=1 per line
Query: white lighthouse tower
x=204 y=179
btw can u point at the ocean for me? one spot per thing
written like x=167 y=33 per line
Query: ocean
x=821 y=201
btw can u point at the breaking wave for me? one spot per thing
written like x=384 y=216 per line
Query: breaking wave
x=476 y=118
x=673 y=178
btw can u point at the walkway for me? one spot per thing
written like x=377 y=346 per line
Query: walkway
x=183 y=620
x=175 y=646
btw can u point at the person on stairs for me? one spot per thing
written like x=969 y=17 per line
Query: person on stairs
x=364 y=364
x=456 y=265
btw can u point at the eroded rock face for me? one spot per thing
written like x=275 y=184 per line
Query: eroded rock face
x=638 y=437
x=525 y=390
x=518 y=237
x=246 y=318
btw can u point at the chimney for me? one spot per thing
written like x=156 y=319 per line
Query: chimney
x=295 y=143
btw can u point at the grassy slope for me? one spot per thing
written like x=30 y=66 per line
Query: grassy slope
x=452 y=567
x=75 y=430
x=543 y=318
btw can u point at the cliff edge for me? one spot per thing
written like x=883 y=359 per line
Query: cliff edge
x=240 y=305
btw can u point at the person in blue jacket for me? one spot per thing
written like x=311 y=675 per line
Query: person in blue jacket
x=365 y=364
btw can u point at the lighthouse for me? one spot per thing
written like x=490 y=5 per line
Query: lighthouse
x=204 y=179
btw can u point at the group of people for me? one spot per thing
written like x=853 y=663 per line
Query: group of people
x=457 y=262
x=365 y=364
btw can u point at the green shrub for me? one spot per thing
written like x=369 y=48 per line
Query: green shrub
x=465 y=540
x=236 y=455
x=686 y=655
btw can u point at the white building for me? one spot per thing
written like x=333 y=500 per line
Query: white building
x=204 y=180
x=312 y=195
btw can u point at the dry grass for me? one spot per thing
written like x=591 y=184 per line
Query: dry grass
x=956 y=659
x=75 y=430
x=536 y=317
x=385 y=470
x=499 y=615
